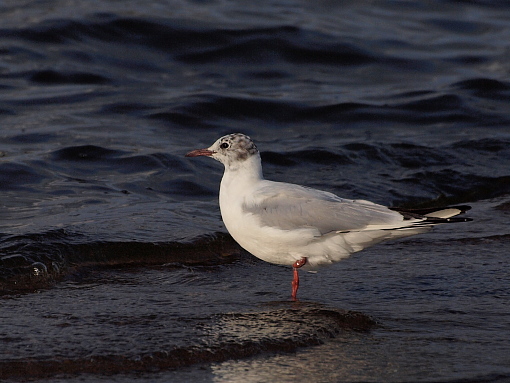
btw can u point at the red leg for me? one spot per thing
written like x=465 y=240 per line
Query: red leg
x=295 y=282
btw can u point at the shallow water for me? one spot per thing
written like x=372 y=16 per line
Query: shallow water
x=114 y=262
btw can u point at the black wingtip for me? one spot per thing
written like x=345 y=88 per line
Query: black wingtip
x=455 y=219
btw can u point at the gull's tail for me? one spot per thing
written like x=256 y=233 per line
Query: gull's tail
x=436 y=215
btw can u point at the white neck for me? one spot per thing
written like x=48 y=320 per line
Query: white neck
x=238 y=178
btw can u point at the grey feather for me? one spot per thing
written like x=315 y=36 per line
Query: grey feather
x=290 y=206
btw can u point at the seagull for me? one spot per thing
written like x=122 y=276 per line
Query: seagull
x=293 y=225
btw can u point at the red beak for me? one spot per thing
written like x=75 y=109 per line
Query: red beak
x=200 y=152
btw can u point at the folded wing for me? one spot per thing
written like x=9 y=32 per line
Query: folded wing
x=288 y=207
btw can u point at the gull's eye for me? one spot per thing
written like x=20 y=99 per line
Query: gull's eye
x=224 y=145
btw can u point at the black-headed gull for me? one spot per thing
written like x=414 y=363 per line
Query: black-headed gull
x=302 y=227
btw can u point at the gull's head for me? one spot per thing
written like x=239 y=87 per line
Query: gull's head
x=231 y=150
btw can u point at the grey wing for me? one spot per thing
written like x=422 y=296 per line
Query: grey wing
x=287 y=207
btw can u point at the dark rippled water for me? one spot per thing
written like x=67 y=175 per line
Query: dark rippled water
x=114 y=263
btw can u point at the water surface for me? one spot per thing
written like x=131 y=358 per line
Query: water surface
x=114 y=262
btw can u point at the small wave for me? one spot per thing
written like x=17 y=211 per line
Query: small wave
x=214 y=107
x=454 y=187
x=88 y=159
x=49 y=77
x=266 y=47
x=500 y=146
x=31 y=262
x=85 y=153
x=203 y=44
x=320 y=156
x=183 y=119
x=225 y=336
x=237 y=107
x=488 y=378
x=16 y=176
x=485 y=88
x=277 y=159
x=434 y=109
x=189 y=188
